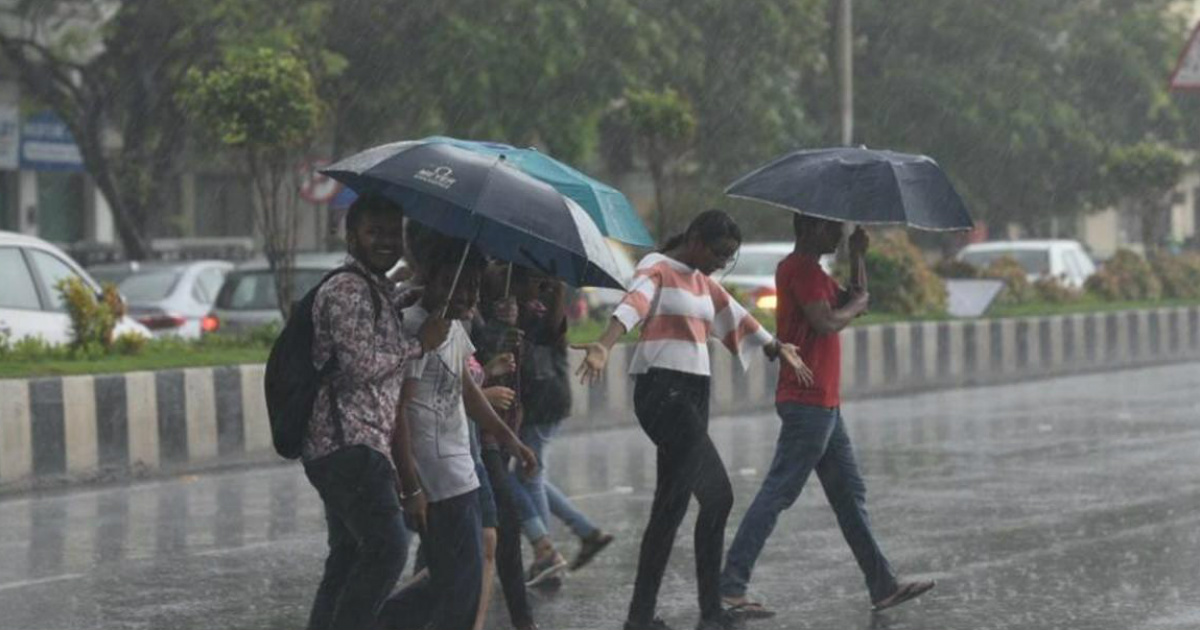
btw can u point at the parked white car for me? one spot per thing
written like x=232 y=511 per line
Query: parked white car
x=753 y=271
x=1063 y=259
x=30 y=304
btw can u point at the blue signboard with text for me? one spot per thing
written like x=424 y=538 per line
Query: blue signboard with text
x=47 y=144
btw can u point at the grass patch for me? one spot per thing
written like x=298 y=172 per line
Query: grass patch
x=151 y=359
x=32 y=358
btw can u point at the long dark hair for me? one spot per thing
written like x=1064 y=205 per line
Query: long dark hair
x=711 y=226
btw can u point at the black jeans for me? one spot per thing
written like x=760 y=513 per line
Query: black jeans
x=509 y=565
x=367 y=540
x=449 y=599
x=672 y=408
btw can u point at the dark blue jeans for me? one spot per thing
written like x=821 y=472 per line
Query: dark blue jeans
x=367 y=539
x=453 y=543
x=809 y=438
x=672 y=408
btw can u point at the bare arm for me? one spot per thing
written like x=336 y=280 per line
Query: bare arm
x=826 y=320
x=413 y=500
x=480 y=410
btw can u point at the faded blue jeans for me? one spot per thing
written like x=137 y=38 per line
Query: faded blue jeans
x=809 y=438
x=544 y=498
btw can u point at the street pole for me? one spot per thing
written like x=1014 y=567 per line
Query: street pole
x=846 y=67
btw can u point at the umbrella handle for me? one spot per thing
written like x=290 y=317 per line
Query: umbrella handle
x=508 y=281
x=457 y=274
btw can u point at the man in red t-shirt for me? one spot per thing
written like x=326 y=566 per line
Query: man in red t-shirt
x=812 y=310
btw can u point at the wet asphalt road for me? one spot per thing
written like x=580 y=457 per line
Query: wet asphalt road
x=1068 y=503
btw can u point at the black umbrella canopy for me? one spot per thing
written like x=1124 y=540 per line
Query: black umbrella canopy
x=506 y=213
x=859 y=185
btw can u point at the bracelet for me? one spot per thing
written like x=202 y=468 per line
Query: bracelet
x=417 y=492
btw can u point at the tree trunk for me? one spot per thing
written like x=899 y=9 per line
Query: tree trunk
x=277 y=223
x=1151 y=215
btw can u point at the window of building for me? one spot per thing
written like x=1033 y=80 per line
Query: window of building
x=61 y=206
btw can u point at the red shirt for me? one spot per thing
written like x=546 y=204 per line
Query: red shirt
x=799 y=280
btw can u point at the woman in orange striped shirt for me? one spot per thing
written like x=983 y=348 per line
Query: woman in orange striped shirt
x=679 y=307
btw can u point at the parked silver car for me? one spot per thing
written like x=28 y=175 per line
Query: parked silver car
x=169 y=298
x=248 y=300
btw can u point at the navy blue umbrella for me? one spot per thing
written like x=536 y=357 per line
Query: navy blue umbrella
x=506 y=213
x=858 y=185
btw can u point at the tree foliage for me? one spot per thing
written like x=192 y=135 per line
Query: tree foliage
x=1143 y=175
x=1023 y=102
x=262 y=103
x=664 y=126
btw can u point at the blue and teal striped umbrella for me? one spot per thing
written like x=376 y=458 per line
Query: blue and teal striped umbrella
x=608 y=207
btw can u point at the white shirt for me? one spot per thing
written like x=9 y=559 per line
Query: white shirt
x=437 y=417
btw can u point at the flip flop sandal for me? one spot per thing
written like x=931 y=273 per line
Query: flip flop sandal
x=750 y=610
x=907 y=591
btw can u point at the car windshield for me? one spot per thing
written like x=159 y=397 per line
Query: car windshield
x=1033 y=261
x=150 y=285
x=756 y=263
x=255 y=290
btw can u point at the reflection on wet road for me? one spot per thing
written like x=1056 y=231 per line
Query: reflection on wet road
x=1069 y=503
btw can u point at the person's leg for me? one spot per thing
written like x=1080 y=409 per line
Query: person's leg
x=536 y=437
x=663 y=410
x=508 y=544
x=556 y=503
x=803 y=434
x=534 y=528
x=847 y=494
x=489 y=570
x=359 y=484
x=710 y=484
x=342 y=554
x=456 y=562
x=489 y=520
x=564 y=510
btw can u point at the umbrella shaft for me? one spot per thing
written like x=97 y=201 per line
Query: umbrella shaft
x=457 y=274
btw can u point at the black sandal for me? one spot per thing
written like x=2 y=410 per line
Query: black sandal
x=904 y=592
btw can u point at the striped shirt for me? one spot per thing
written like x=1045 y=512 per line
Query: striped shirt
x=679 y=309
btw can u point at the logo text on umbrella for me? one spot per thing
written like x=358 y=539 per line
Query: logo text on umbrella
x=442 y=176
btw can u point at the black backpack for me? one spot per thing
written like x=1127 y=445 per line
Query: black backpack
x=291 y=381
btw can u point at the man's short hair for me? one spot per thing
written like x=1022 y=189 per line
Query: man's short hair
x=369 y=204
x=806 y=223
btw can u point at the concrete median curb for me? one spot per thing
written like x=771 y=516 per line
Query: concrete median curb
x=62 y=430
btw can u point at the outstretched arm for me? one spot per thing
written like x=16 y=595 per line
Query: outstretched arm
x=592 y=367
